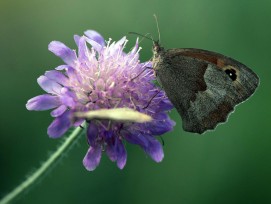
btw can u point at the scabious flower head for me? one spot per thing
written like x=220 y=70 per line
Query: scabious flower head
x=104 y=77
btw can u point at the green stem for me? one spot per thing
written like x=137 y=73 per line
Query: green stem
x=44 y=167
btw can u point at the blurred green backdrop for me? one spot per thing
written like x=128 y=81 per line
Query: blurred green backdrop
x=228 y=165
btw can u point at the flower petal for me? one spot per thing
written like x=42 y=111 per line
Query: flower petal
x=136 y=138
x=43 y=102
x=62 y=51
x=164 y=105
x=60 y=125
x=135 y=48
x=120 y=42
x=49 y=85
x=74 y=75
x=83 y=51
x=154 y=149
x=62 y=67
x=57 y=77
x=67 y=97
x=95 y=39
x=116 y=151
x=78 y=122
x=121 y=155
x=150 y=145
x=76 y=39
x=111 y=149
x=95 y=45
x=133 y=54
x=92 y=133
x=92 y=158
x=95 y=36
x=160 y=125
x=59 y=111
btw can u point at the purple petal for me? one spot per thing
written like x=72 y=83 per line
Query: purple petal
x=60 y=125
x=95 y=36
x=160 y=125
x=92 y=158
x=95 y=45
x=121 y=155
x=59 y=111
x=92 y=133
x=134 y=50
x=62 y=67
x=107 y=134
x=67 y=98
x=133 y=55
x=136 y=138
x=83 y=51
x=62 y=51
x=43 y=102
x=150 y=145
x=111 y=149
x=155 y=149
x=57 y=77
x=49 y=85
x=73 y=75
x=76 y=39
x=120 y=42
x=164 y=105
x=78 y=122
x=160 y=116
x=116 y=152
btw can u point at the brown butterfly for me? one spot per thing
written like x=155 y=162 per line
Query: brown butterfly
x=203 y=86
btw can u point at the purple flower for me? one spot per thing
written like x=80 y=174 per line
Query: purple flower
x=104 y=77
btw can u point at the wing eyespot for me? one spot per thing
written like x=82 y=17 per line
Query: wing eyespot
x=231 y=73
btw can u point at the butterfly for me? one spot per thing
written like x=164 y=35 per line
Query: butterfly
x=203 y=86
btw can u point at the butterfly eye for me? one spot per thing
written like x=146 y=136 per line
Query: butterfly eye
x=231 y=73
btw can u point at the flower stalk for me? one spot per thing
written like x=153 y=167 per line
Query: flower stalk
x=69 y=141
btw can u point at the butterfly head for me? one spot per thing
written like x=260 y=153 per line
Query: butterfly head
x=157 y=49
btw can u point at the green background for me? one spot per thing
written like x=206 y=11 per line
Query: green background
x=228 y=165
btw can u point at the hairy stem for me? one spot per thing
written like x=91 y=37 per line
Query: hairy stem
x=44 y=167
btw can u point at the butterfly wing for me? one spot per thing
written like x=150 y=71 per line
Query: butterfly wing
x=204 y=86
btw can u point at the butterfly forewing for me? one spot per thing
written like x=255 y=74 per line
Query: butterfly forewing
x=203 y=86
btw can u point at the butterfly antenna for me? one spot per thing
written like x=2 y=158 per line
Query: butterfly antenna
x=157 y=25
x=144 y=36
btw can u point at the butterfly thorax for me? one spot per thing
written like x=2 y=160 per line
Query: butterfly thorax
x=158 y=52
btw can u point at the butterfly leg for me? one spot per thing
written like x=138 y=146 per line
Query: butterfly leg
x=141 y=73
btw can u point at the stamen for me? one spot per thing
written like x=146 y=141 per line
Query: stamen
x=140 y=48
x=121 y=49
x=111 y=85
x=108 y=43
x=131 y=99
